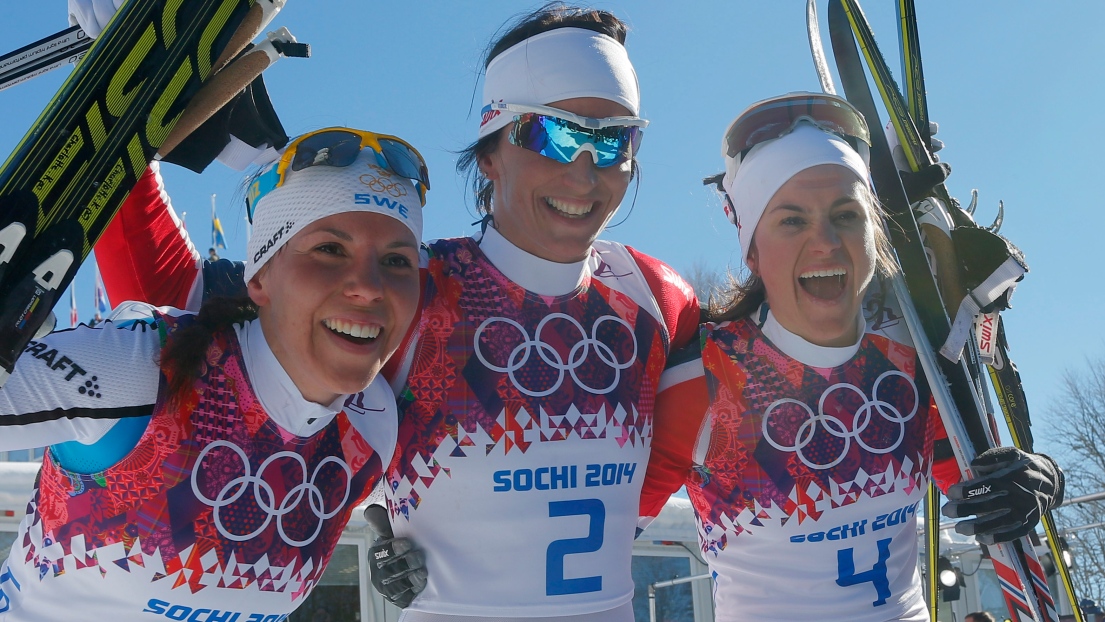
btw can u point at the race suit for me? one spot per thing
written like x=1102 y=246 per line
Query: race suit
x=805 y=465
x=227 y=507
x=526 y=392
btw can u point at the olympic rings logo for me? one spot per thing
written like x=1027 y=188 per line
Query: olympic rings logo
x=522 y=352
x=379 y=180
x=860 y=420
x=266 y=498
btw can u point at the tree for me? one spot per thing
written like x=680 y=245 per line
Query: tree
x=1079 y=435
x=707 y=282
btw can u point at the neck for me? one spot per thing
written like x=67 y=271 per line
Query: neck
x=534 y=273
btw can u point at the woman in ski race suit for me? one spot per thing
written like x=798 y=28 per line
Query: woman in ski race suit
x=201 y=465
x=526 y=386
x=799 y=421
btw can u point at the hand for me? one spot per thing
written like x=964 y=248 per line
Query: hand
x=397 y=568
x=898 y=153
x=1011 y=491
x=92 y=15
x=919 y=185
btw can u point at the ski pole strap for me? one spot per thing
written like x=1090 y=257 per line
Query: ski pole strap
x=1000 y=283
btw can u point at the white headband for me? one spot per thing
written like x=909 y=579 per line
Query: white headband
x=753 y=180
x=559 y=64
x=320 y=191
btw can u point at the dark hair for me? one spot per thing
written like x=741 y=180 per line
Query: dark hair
x=744 y=296
x=184 y=357
x=980 y=616
x=549 y=17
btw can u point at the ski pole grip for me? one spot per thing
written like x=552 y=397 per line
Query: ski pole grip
x=214 y=95
x=377 y=517
x=259 y=16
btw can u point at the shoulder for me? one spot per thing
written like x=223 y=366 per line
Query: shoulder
x=103 y=359
x=646 y=277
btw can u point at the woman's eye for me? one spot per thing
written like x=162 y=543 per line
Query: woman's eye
x=330 y=248
x=792 y=221
x=398 y=261
x=847 y=216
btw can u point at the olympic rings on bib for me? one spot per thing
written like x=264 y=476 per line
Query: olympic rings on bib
x=860 y=420
x=579 y=353
x=265 y=496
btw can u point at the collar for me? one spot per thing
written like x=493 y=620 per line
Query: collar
x=808 y=353
x=540 y=276
x=274 y=388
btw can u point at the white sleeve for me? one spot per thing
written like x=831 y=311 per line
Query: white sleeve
x=75 y=384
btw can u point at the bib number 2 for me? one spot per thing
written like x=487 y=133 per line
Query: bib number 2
x=555 y=583
x=847 y=576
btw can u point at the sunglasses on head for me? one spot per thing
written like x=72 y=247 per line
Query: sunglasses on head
x=562 y=135
x=340 y=147
x=778 y=116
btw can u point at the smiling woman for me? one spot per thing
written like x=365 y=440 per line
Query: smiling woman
x=803 y=432
x=235 y=446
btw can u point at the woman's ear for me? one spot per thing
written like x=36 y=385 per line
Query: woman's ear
x=752 y=260
x=490 y=165
x=255 y=287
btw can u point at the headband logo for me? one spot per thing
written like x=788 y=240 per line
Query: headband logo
x=261 y=252
x=380 y=180
x=488 y=114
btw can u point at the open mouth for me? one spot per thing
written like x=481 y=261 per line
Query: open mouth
x=824 y=284
x=570 y=210
x=353 y=331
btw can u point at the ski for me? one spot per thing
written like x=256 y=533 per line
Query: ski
x=912 y=71
x=1004 y=375
x=29 y=60
x=68 y=176
x=954 y=386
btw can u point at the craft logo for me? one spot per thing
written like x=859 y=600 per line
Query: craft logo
x=63 y=364
x=273 y=240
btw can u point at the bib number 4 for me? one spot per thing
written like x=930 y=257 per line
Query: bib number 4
x=847 y=576
x=555 y=583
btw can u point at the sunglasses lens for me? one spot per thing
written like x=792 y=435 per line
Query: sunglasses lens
x=336 y=148
x=561 y=140
x=405 y=161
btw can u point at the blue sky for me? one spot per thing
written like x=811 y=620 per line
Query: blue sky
x=1014 y=86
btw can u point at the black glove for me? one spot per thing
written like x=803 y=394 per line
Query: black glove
x=398 y=569
x=1011 y=491
x=920 y=184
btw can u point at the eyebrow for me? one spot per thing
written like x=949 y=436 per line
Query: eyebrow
x=791 y=207
x=338 y=233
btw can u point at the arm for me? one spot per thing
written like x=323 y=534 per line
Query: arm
x=678 y=423
x=145 y=253
x=74 y=385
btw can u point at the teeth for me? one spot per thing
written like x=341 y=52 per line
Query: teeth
x=360 y=331
x=822 y=273
x=568 y=208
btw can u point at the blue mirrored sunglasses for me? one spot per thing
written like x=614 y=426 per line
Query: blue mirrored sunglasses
x=562 y=135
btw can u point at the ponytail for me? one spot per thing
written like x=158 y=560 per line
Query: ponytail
x=184 y=356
